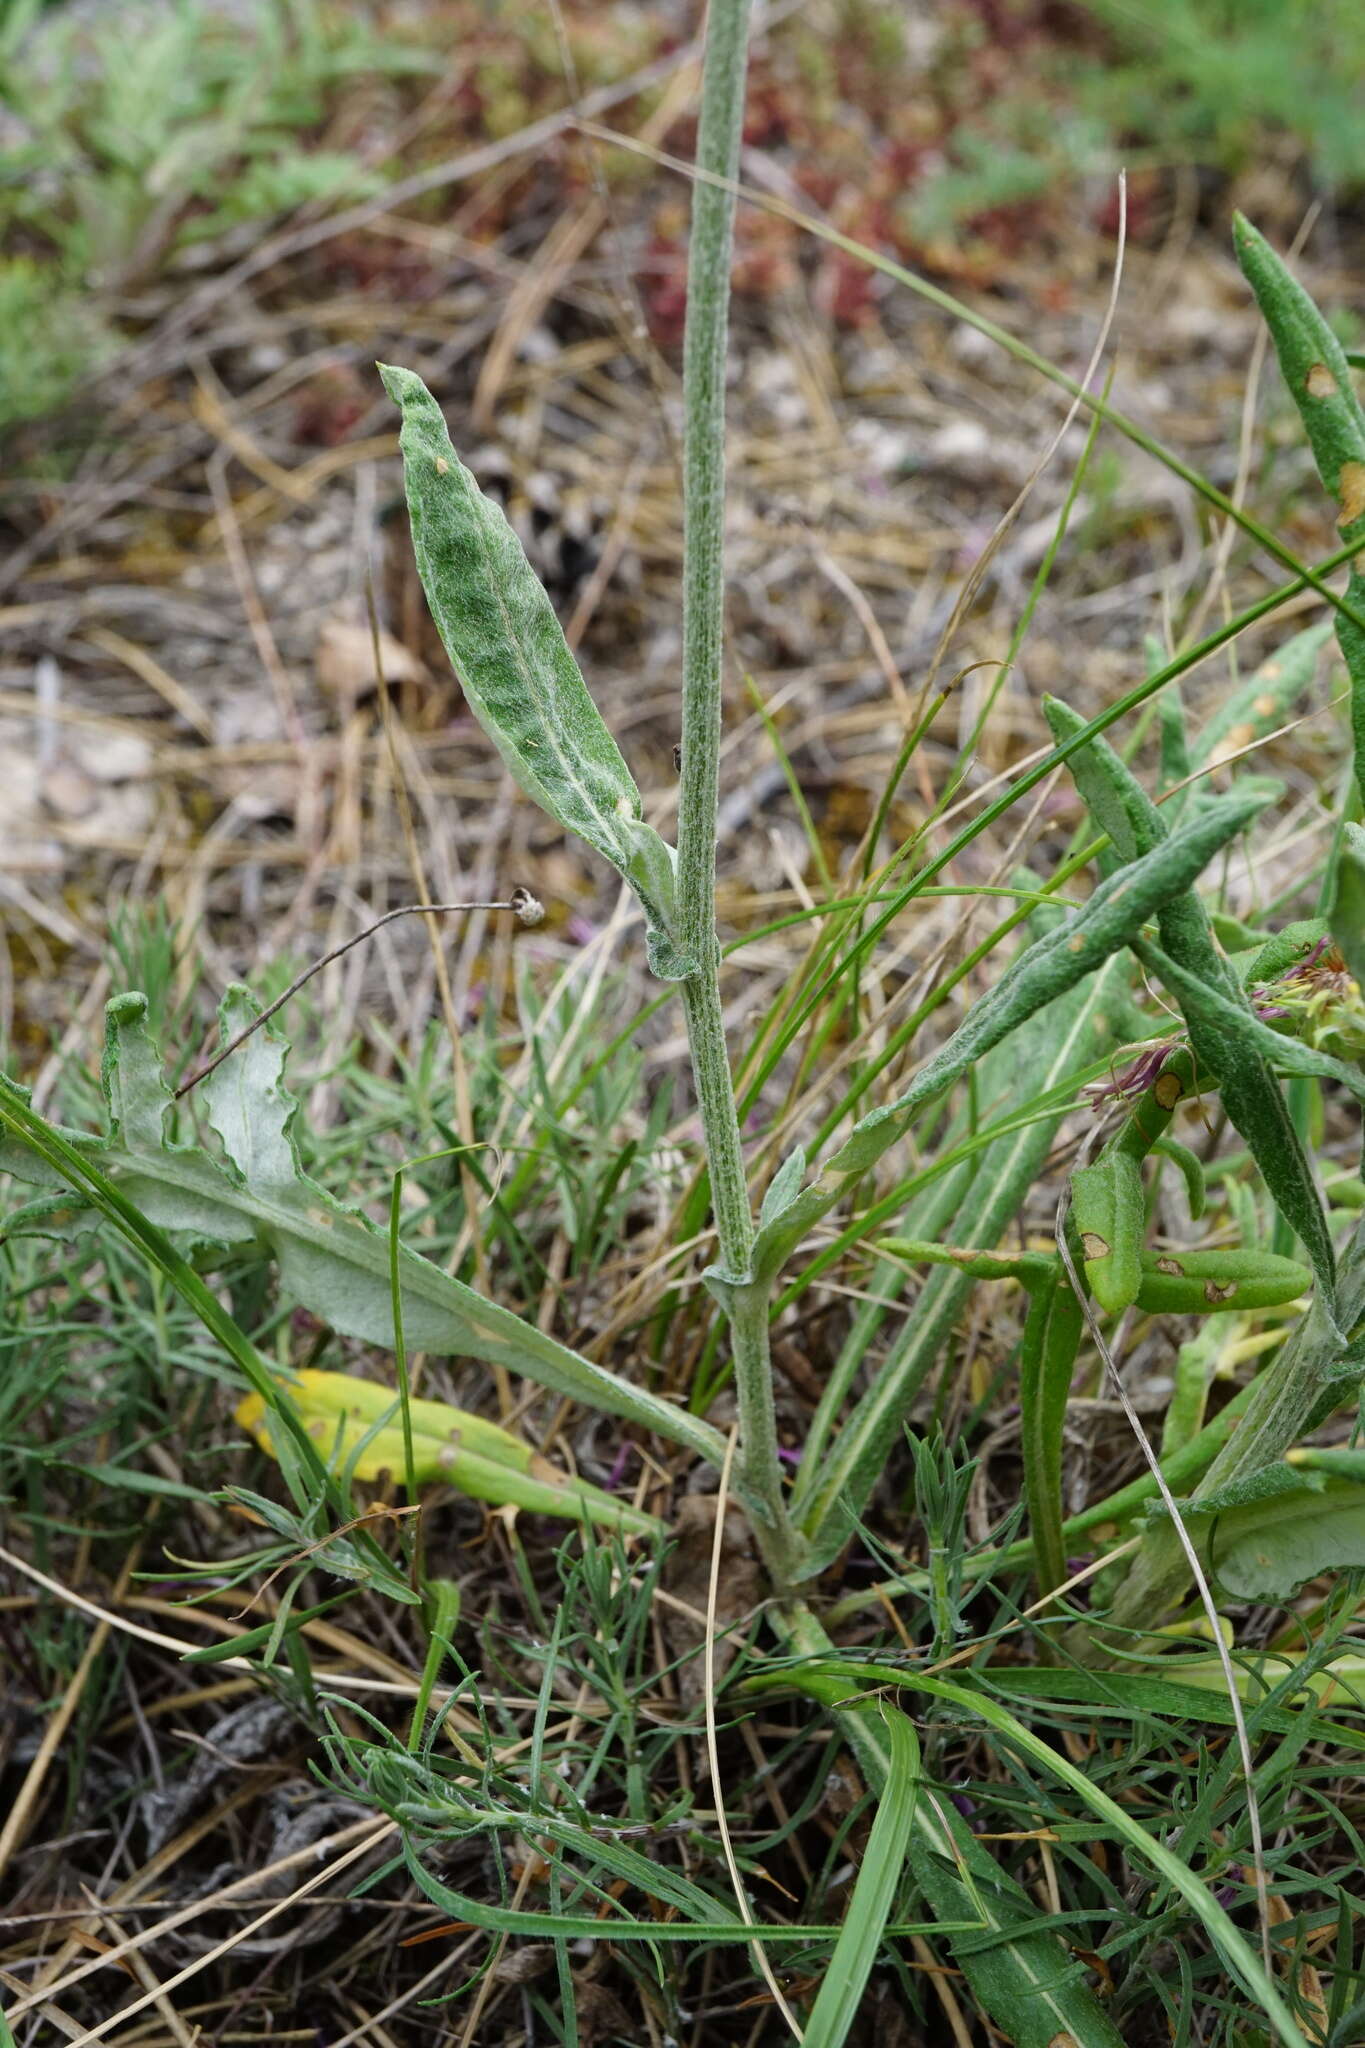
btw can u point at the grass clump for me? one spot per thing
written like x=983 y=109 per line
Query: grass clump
x=1091 y=1796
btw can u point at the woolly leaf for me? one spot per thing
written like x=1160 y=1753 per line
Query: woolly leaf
x=1348 y=902
x=1206 y=1283
x=1222 y=1029
x=1319 y=380
x=1263 y=701
x=518 y=674
x=1267 y=1549
x=1109 y=1212
x=332 y=1260
x=1113 y=917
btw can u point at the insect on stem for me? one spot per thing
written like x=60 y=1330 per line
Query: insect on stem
x=525 y=907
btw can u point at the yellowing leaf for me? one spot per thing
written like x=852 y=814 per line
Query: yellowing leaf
x=357 y=1424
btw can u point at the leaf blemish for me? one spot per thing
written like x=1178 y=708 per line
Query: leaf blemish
x=1351 y=492
x=1320 y=383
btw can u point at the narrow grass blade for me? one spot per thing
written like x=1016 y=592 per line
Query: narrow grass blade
x=1061 y=1040
x=1021 y=1976
x=1186 y=1692
x=835 y=2011
x=1237 y=1954
x=1112 y=918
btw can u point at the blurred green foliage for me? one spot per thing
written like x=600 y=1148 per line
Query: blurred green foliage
x=1204 y=80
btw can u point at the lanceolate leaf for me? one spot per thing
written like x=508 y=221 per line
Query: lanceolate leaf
x=1222 y=1028
x=1052 y=1335
x=355 y=1425
x=332 y=1260
x=1319 y=380
x=1114 y=916
x=519 y=676
x=1348 y=901
x=1109 y=1212
x=1204 y=1283
x=1263 y=701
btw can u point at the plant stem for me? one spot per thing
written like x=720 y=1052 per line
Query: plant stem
x=708 y=296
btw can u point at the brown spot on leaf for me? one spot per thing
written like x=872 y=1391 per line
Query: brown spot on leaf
x=1169 y=1266
x=1077 y=945
x=1232 y=742
x=1168 y=1090
x=441 y=465
x=1094 y=1246
x=1351 y=492
x=1320 y=383
x=1265 y=707
x=1213 y=1292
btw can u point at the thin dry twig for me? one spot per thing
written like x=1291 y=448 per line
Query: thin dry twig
x=713 y=1746
x=521 y=902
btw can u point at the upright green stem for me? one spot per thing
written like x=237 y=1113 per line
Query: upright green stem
x=708 y=296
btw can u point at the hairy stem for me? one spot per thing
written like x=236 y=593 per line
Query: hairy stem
x=708 y=296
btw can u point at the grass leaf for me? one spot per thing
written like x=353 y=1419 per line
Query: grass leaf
x=332 y=1259
x=1112 y=918
x=835 y=2011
